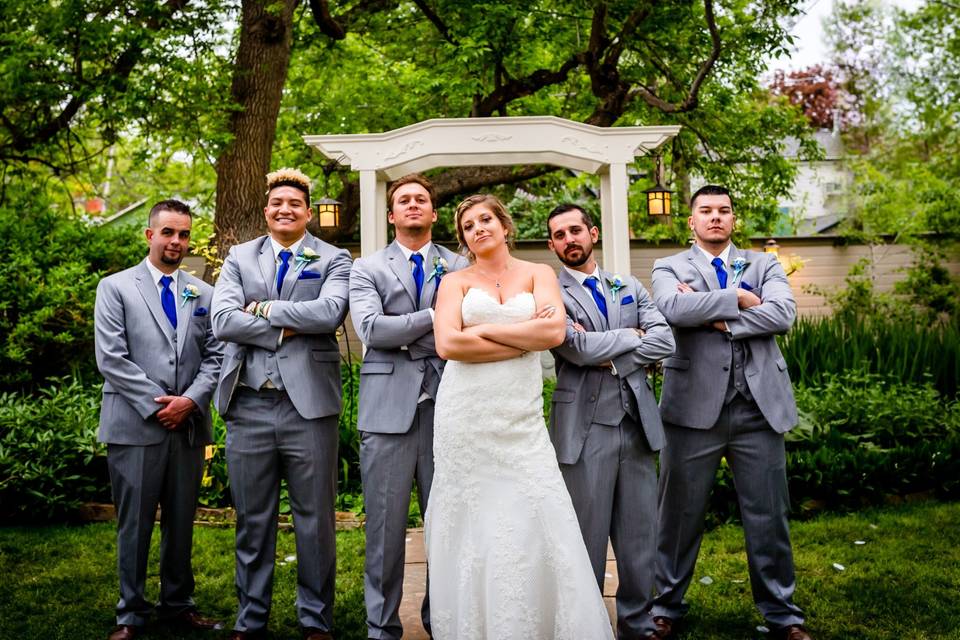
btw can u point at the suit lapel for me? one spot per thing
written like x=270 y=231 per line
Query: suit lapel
x=583 y=298
x=430 y=284
x=613 y=300
x=184 y=311
x=293 y=274
x=268 y=267
x=151 y=297
x=401 y=268
x=699 y=260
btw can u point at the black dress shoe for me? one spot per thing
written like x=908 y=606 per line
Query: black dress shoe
x=313 y=633
x=248 y=635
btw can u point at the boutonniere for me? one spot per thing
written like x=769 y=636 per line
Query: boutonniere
x=189 y=291
x=440 y=268
x=305 y=257
x=739 y=266
x=615 y=285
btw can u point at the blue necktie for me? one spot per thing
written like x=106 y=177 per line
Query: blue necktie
x=594 y=285
x=721 y=272
x=417 y=272
x=284 y=267
x=168 y=301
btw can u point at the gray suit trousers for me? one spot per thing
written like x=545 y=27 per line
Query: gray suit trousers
x=613 y=486
x=389 y=465
x=142 y=477
x=267 y=439
x=688 y=467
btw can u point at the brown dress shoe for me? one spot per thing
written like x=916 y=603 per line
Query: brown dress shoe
x=794 y=632
x=124 y=632
x=191 y=619
x=312 y=633
x=664 y=627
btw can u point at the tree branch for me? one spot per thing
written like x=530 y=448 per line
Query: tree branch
x=437 y=22
x=519 y=87
x=691 y=101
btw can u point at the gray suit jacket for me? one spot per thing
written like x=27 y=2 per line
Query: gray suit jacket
x=313 y=303
x=695 y=381
x=578 y=393
x=142 y=357
x=398 y=334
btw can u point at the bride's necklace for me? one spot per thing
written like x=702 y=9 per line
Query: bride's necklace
x=496 y=280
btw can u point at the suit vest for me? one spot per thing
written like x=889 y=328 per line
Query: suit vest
x=616 y=400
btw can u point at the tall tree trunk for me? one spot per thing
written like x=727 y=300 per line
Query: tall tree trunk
x=263 y=55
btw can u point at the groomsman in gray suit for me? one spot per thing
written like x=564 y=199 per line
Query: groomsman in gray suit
x=726 y=393
x=277 y=305
x=604 y=423
x=392 y=294
x=159 y=361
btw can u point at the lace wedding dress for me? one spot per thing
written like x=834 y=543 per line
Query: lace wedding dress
x=504 y=549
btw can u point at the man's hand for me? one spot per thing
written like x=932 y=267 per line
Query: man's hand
x=747 y=299
x=288 y=333
x=579 y=328
x=176 y=409
x=640 y=332
x=683 y=287
x=719 y=325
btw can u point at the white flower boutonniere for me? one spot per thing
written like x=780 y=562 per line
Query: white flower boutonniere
x=305 y=257
x=190 y=291
x=440 y=268
x=615 y=285
x=739 y=266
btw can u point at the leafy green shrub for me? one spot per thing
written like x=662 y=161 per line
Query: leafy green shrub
x=816 y=348
x=50 y=460
x=863 y=439
x=50 y=271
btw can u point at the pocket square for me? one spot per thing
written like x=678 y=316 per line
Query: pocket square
x=200 y=311
x=626 y=300
x=746 y=285
x=309 y=275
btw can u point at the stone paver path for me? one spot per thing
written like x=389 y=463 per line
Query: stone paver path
x=415 y=582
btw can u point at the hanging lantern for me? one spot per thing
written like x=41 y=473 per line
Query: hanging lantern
x=328 y=213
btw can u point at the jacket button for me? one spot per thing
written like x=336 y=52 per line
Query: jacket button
x=420 y=366
x=593 y=398
x=170 y=361
x=726 y=368
x=269 y=355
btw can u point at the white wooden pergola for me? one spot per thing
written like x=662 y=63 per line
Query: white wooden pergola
x=461 y=142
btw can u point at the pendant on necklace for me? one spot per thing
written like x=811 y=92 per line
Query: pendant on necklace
x=498 y=285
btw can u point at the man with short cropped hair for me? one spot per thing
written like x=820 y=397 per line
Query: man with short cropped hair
x=159 y=360
x=726 y=393
x=392 y=295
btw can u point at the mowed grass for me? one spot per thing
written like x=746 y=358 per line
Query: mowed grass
x=904 y=582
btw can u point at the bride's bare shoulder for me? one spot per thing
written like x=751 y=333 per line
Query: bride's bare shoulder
x=535 y=268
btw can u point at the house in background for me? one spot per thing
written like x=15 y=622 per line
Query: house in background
x=817 y=202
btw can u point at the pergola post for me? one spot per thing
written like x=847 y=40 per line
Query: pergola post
x=614 y=218
x=373 y=219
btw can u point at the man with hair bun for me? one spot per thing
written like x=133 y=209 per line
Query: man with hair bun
x=277 y=305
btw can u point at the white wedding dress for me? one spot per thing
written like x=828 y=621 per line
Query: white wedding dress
x=504 y=550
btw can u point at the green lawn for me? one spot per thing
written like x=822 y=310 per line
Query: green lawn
x=59 y=581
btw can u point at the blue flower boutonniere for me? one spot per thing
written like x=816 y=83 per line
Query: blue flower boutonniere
x=739 y=266
x=615 y=285
x=305 y=257
x=190 y=291
x=440 y=269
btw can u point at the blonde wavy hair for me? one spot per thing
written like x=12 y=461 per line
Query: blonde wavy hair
x=498 y=209
x=288 y=177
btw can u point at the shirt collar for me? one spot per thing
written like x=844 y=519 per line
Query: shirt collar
x=156 y=274
x=580 y=276
x=724 y=255
x=424 y=251
x=294 y=248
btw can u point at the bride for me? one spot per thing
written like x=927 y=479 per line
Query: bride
x=504 y=550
